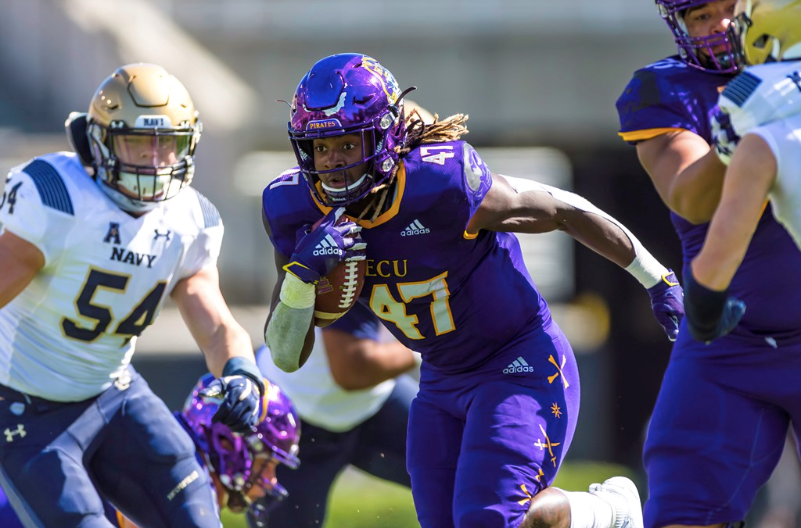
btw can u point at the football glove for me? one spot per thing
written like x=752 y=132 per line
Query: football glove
x=724 y=137
x=240 y=388
x=320 y=250
x=667 y=302
x=711 y=314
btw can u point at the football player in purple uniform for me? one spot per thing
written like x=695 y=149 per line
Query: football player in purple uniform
x=499 y=390
x=242 y=468
x=721 y=417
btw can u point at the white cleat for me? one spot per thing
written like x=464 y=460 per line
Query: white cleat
x=622 y=495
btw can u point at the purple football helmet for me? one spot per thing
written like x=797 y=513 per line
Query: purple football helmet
x=238 y=460
x=346 y=94
x=698 y=51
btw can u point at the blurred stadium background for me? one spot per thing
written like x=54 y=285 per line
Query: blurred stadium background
x=538 y=79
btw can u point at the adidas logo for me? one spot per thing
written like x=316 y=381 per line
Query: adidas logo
x=518 y=365
x=327 y=246
x=415 y=228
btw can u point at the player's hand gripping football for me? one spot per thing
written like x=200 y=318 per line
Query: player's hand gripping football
x=667 y=302
x=240 y=388
x=321 y=249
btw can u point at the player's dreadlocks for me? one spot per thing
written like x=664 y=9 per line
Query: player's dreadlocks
x=418 y=132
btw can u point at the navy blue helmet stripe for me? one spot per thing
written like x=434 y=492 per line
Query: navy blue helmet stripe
x=211 y=216
x=51 y=187
x=741 y=87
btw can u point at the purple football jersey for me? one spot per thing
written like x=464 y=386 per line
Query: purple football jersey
x=669 y=95
x=439 y=291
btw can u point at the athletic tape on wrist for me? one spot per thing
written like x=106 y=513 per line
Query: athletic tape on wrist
x=297 y=294
x=645 y=268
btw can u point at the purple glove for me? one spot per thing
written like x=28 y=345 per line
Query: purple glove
x=320 y=249
x=667 y=302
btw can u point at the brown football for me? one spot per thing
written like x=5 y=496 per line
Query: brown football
x=338 y=291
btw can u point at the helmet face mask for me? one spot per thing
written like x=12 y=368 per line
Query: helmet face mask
x=348 y=94
x=242 y=462
x=699 y=52
x=142 y=129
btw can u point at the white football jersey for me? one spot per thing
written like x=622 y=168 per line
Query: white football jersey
x=784 y=139
x=317 y=397
x=72 y=331
x=762 y=94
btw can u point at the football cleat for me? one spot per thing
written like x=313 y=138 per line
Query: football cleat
x=622 y=495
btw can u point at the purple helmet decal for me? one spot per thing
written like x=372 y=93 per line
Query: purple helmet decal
x=238 y=460
x=713 y=53
x=348 y=94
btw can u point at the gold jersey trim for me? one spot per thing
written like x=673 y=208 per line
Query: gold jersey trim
x=649 y=133
x=384 y=217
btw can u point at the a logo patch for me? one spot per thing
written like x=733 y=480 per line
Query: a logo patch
x=415 y=228
x=518 y=366
x=475 y=171
x=10 y=433
x=113 y=234
x=323 y=124
x=327 y=246
x=153 y=121
x=388 y=82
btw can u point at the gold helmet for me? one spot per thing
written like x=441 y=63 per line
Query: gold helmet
x=142 y=128
x=768 y=30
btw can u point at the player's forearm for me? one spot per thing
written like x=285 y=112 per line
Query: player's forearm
x=727 y=241
x=290 y=336
x=609 y=238
x=228 y=341
x=369 y=365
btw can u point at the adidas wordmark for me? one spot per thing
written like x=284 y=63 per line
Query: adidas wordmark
x=518 y=365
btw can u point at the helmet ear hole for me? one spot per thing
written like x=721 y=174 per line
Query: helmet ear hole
x=76 y=128
x=760 y=42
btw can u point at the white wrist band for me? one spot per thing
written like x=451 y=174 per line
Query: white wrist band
x=645 y=268
x=297 y=294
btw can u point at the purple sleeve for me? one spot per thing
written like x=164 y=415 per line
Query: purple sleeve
x=650 y=102
x=477 y=178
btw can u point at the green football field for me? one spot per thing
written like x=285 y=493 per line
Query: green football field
x=360 y=501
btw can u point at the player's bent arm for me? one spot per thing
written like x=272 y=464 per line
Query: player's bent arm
x=750 y=176
x=525 y=206
x=289 y=330
x=358 y=364
x=210 y=321
x=687 y=174
x=20 y=261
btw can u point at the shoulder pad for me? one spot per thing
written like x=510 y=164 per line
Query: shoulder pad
x=50 y=185
x=762 y=94
x=211 y=216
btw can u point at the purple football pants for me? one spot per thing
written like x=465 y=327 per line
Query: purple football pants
x=482 y=443
x=719 y=427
